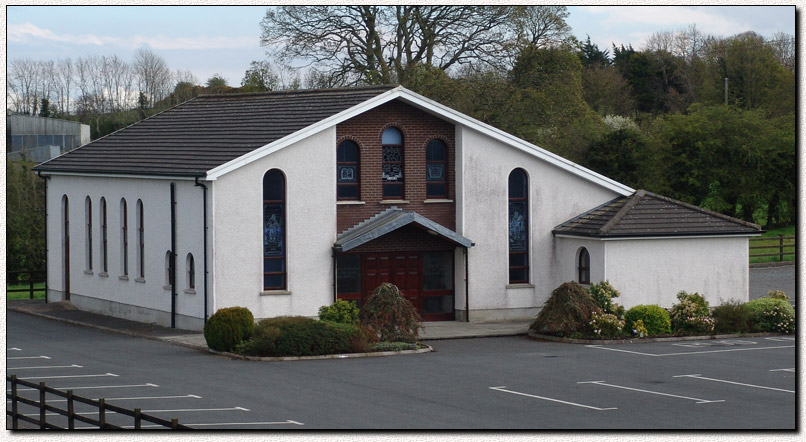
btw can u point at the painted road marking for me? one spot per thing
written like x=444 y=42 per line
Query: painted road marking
x=697 y=376
x=14 y=349
x=92 y=387
x=151 y=411
x=44 y=366
x=711 y=344
x=187 y=396
x=781 y=339
x=30 y=357
x=699 y=401
x=73 y=376
x=791 y=370
x=503 y=388
x=208 y=424
x=688 y=352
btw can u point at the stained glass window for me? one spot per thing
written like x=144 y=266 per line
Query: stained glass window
x=584 y=267
x=518 y=227
x=436 y=157
x=274 y=251
x=347 y=170
x=392 y=163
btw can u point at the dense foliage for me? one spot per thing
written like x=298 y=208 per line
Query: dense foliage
x=569 y=310
x=25 y=218
x=301 y=336
x=654 y=319
x=228 y=327
x=603 y=294
x=732 y=317
x=341 y=311
x=390 y=315
x=771 y=315
x=691 y=314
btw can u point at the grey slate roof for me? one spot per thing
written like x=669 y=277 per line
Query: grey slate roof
x=207 y=131
x=388 y=221
x=647 y=214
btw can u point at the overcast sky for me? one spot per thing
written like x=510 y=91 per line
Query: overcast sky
x=224 y=39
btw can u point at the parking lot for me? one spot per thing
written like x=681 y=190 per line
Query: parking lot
x=488 y=383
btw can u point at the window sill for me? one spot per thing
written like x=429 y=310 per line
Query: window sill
x=394 y=201
x=350 y=203
x=520 y=286
x=167 y=287
x=274 y=292
x=190 y=291
x=437 y=200
x=123 y=277
x=88 y=272
x=103 y=275
x=143 y=280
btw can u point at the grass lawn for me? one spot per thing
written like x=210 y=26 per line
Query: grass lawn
x=773 y=242
x=39 y=291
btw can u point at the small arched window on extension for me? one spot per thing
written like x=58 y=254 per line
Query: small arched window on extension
x=348 y=179
x=274 y=249
x=436 y=170
x=392 y=164
x=584 y=266
x=191 y=266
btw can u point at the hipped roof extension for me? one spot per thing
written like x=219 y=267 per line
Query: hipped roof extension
x=390 y=220
x=645 y=214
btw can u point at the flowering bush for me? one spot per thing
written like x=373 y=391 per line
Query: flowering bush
x=606 y=324
x=603 y=294
x=688 y=314
x=777 y=294
x=771 y=315
x=640 y=328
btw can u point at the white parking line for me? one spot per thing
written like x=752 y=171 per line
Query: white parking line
x=94 y=387
x=150 y=411
x=687 y=352
x=73 y=376
x=712 y=343
x=699 y=401
x=208 y=424
x=697 y=376
x=503 y=388
x=791 y=370
x=187 y=396
x=14 y=349
x=30 y=357
x=781 y=339
x=44 y=366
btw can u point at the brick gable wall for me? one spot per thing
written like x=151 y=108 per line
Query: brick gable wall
x=418 y=129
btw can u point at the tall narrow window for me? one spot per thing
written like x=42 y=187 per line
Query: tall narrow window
x=66 y=244
x=104 y=238
x=518 y=227
x=140 y=241
x=436 y=159
x=124 y=238
x=274 y=250
x=348 y=171
x=88 y=231
x=584 y=266
x=392 y=163
x=191 y=266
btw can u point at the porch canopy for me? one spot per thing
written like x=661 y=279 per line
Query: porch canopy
x=389 y=221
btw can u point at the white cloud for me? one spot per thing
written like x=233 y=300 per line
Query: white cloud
x=28 y=32
x=711 y=20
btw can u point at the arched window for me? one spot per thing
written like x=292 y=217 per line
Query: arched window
x=392 y=164
x=436 y=170
x=124 y=238
x=66 y=244
x=191 y=269
x=141 y=264
x=518 y=227
x=104 y=238
x=169 y=274
x=274 y=250
x=584 y=266
x=348 y=171
x=88 y=232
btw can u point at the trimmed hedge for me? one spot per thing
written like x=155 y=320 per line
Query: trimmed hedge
x=301 y=336
x=341 y=311
x=656 y=319
x=228 y=327
x=568 y=310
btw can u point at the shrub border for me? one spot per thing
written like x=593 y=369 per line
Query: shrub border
x=539 y=337
x=427 y=349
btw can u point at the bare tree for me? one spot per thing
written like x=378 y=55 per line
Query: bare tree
x=23 y=78
x=66 y=78
x=783 y=45
x=542 y=26
x=152 y=74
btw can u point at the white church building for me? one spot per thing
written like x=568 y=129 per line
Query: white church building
x=283 y=202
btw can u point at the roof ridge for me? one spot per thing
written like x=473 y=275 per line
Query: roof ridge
x=628 y=205
x=591 y=212
x=299 y=91
x=702 y=210
x=371 y=218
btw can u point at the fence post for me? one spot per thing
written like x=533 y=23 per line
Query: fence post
x=42 y=423
x=71 y=422
x=781 y=247
x=101 y=413
x=137 y=419
x=31 y=288
x=174 y=423
x=14 y=419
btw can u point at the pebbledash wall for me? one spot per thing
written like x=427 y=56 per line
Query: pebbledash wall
x=146 y=299
x=483 y=168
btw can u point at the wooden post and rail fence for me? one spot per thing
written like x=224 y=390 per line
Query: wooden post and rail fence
x=785 y=246
x=40 y=422
x=29 y=277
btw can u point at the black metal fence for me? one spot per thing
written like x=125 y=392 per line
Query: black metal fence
x=41 y=422
x=30 y=278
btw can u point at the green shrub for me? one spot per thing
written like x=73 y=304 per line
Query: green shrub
x=299 y=336
x=777 y=294
x=771 y=315
x=731 y=317
x=391 y=315
x=606 y=325
x=392 y=346
x=655 y=319
x=603 y=294
x=640 y=328
x=341 y=311
x=567 y=311
x=688 y=315
x=228 y=327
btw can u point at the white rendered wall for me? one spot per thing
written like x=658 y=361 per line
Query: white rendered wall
x=144 y=299
x=567 y=259
x=310 y=176
x=652 y=271
x=483 y=168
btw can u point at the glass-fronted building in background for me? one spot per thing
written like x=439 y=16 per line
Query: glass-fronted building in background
x=40 y=139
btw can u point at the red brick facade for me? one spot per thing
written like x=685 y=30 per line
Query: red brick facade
x=406 y=239
x=418 y=129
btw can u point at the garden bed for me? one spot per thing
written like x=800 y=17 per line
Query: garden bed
x=421 y=348
x=634 y=340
